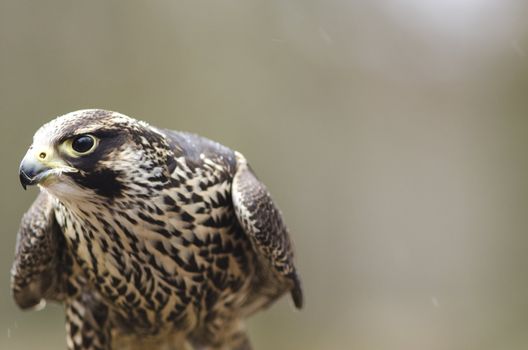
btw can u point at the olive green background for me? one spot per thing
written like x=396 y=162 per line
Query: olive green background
x=393 y=134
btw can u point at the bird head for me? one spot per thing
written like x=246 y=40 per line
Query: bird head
x=93 y=154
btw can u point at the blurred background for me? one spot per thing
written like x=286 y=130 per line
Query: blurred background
x=393 y=134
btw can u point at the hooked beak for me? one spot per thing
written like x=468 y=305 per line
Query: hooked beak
x=39 y=166
x=31 y=173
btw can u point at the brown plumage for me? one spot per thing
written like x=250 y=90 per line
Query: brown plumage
x=151 y=238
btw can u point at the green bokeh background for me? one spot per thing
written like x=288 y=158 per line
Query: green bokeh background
x=393 y=134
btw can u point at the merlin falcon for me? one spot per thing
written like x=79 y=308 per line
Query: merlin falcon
x=150 y=238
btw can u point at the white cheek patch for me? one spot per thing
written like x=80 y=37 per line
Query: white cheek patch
x=66 y=190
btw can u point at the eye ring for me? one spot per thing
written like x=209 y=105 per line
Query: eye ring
x=83 y=144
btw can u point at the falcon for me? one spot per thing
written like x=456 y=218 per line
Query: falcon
x=150 y=238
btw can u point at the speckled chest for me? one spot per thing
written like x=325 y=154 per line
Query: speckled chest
x=174 y=256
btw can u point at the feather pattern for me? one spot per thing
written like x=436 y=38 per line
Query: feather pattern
x=158 y=237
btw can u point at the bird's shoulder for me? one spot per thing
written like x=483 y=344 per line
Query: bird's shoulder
x=197 y=151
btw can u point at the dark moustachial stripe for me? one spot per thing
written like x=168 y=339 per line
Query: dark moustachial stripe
x=104 y=182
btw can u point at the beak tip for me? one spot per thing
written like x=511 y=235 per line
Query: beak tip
x=24 y=179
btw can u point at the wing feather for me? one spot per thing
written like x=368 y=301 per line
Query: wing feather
x=34 y=274
x=262 y=221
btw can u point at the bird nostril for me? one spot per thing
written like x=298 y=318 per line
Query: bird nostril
x=42 y=155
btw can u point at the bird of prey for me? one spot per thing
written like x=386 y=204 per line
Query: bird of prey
x=151 y=238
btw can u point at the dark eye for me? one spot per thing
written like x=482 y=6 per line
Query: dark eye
x=83 y=144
